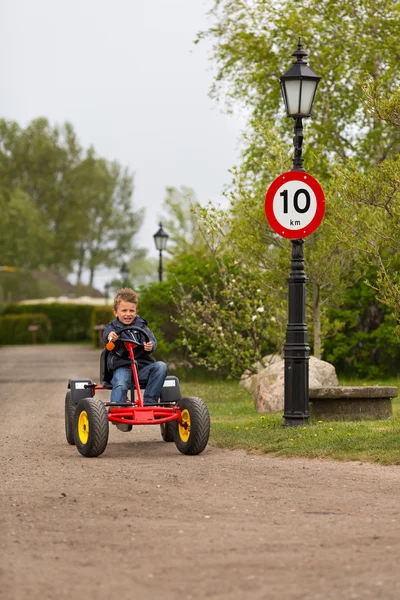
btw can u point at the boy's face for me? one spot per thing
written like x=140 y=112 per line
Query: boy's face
x=126 y=312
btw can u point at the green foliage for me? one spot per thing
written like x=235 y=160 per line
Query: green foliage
x=157 y=307
x=252 y=43
x=101 y=315
x=381 y=104
x=181 y=223
x=366 y=345
x=14 y=329
x=22 y=228
x=69 y=207
x=373 y=230
x=69 y=322
x=16 y=285
x=229 y=321
x=158 y=303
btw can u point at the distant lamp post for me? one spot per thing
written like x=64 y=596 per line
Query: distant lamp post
x=298 y=86
x=160 y=240
x=107 y=292
x=124 y=272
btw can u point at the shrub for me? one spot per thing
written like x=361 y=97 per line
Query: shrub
x=69 y=322
x=157 y=307
x=101 y=315
x=366 y=346
x=14 y=329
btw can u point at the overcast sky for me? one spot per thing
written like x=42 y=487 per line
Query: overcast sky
x=128 y=77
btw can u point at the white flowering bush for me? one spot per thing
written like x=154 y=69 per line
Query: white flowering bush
x=230 y=322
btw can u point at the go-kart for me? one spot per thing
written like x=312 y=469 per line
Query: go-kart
x=185 y=421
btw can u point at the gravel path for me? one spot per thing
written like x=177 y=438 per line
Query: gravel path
x=146 y=522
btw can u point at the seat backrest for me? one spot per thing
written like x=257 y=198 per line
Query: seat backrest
x=105 y=373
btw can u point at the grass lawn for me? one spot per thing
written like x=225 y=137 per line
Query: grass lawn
x=236 y=424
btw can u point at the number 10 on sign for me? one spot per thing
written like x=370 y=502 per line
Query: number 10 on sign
x=294 y=204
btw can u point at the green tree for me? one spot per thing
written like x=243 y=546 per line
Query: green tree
x=81 y=202
x=179 y=220
x=40 y=161
x=366 y=344
x=110 y=223
x=24 y=238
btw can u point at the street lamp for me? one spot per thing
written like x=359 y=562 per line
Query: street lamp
x=107 y=291
x=298 y=86
x=160 y=240
x=124 y=272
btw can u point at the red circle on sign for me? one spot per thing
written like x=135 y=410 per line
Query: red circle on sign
x=318 y=202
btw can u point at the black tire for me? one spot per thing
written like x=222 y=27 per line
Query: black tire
x=69 y=419
x=193 y=431
x=91 y=427
x=168 y=431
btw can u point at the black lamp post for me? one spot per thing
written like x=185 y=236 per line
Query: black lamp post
x=298 y=86
x=124 y=272
x=107 y=291
x=160 y=240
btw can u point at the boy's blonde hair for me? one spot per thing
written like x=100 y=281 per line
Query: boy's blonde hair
x=125 y=295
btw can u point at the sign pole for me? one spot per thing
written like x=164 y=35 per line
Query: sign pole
x=296 y=352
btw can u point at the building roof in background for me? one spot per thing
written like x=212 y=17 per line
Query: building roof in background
x=98 y=301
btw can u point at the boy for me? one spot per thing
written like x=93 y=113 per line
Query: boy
x=150 y=373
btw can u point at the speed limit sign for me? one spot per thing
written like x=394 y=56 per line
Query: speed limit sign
x=294 y=204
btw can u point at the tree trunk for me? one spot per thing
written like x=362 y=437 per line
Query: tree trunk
x=81 y=261
x=91 y=277
x=317 y=320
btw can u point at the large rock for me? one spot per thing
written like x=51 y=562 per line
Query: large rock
x=247 y=377
x=267 y=386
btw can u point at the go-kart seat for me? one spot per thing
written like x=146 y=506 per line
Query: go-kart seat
x=105 y=373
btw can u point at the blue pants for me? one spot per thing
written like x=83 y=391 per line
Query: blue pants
x=152 y=376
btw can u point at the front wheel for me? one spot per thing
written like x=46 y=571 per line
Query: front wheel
x=69 y=418
x=193 y=429
x=91 y=427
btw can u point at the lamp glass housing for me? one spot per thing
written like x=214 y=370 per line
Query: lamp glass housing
x=160 y=239
x=298 y=95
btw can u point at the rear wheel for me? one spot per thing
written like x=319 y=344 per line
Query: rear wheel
x=193 y=429
x=168 y=431
x=91 y=427
x=69 y=418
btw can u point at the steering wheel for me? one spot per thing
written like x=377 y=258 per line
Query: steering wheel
x=133 y=339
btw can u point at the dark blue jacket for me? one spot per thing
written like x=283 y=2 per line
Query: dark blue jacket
x=119 y=357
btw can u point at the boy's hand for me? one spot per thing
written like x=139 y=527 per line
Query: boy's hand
x=148 y=346
x=112 y=336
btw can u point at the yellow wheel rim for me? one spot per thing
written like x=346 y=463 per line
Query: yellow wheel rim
x=83 y=427
x=184 y=425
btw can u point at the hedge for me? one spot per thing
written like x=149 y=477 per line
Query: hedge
x=101 y=315
x=14 y=329
x=69 y=322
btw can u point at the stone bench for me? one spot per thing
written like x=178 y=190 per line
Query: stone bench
x=351 y=403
